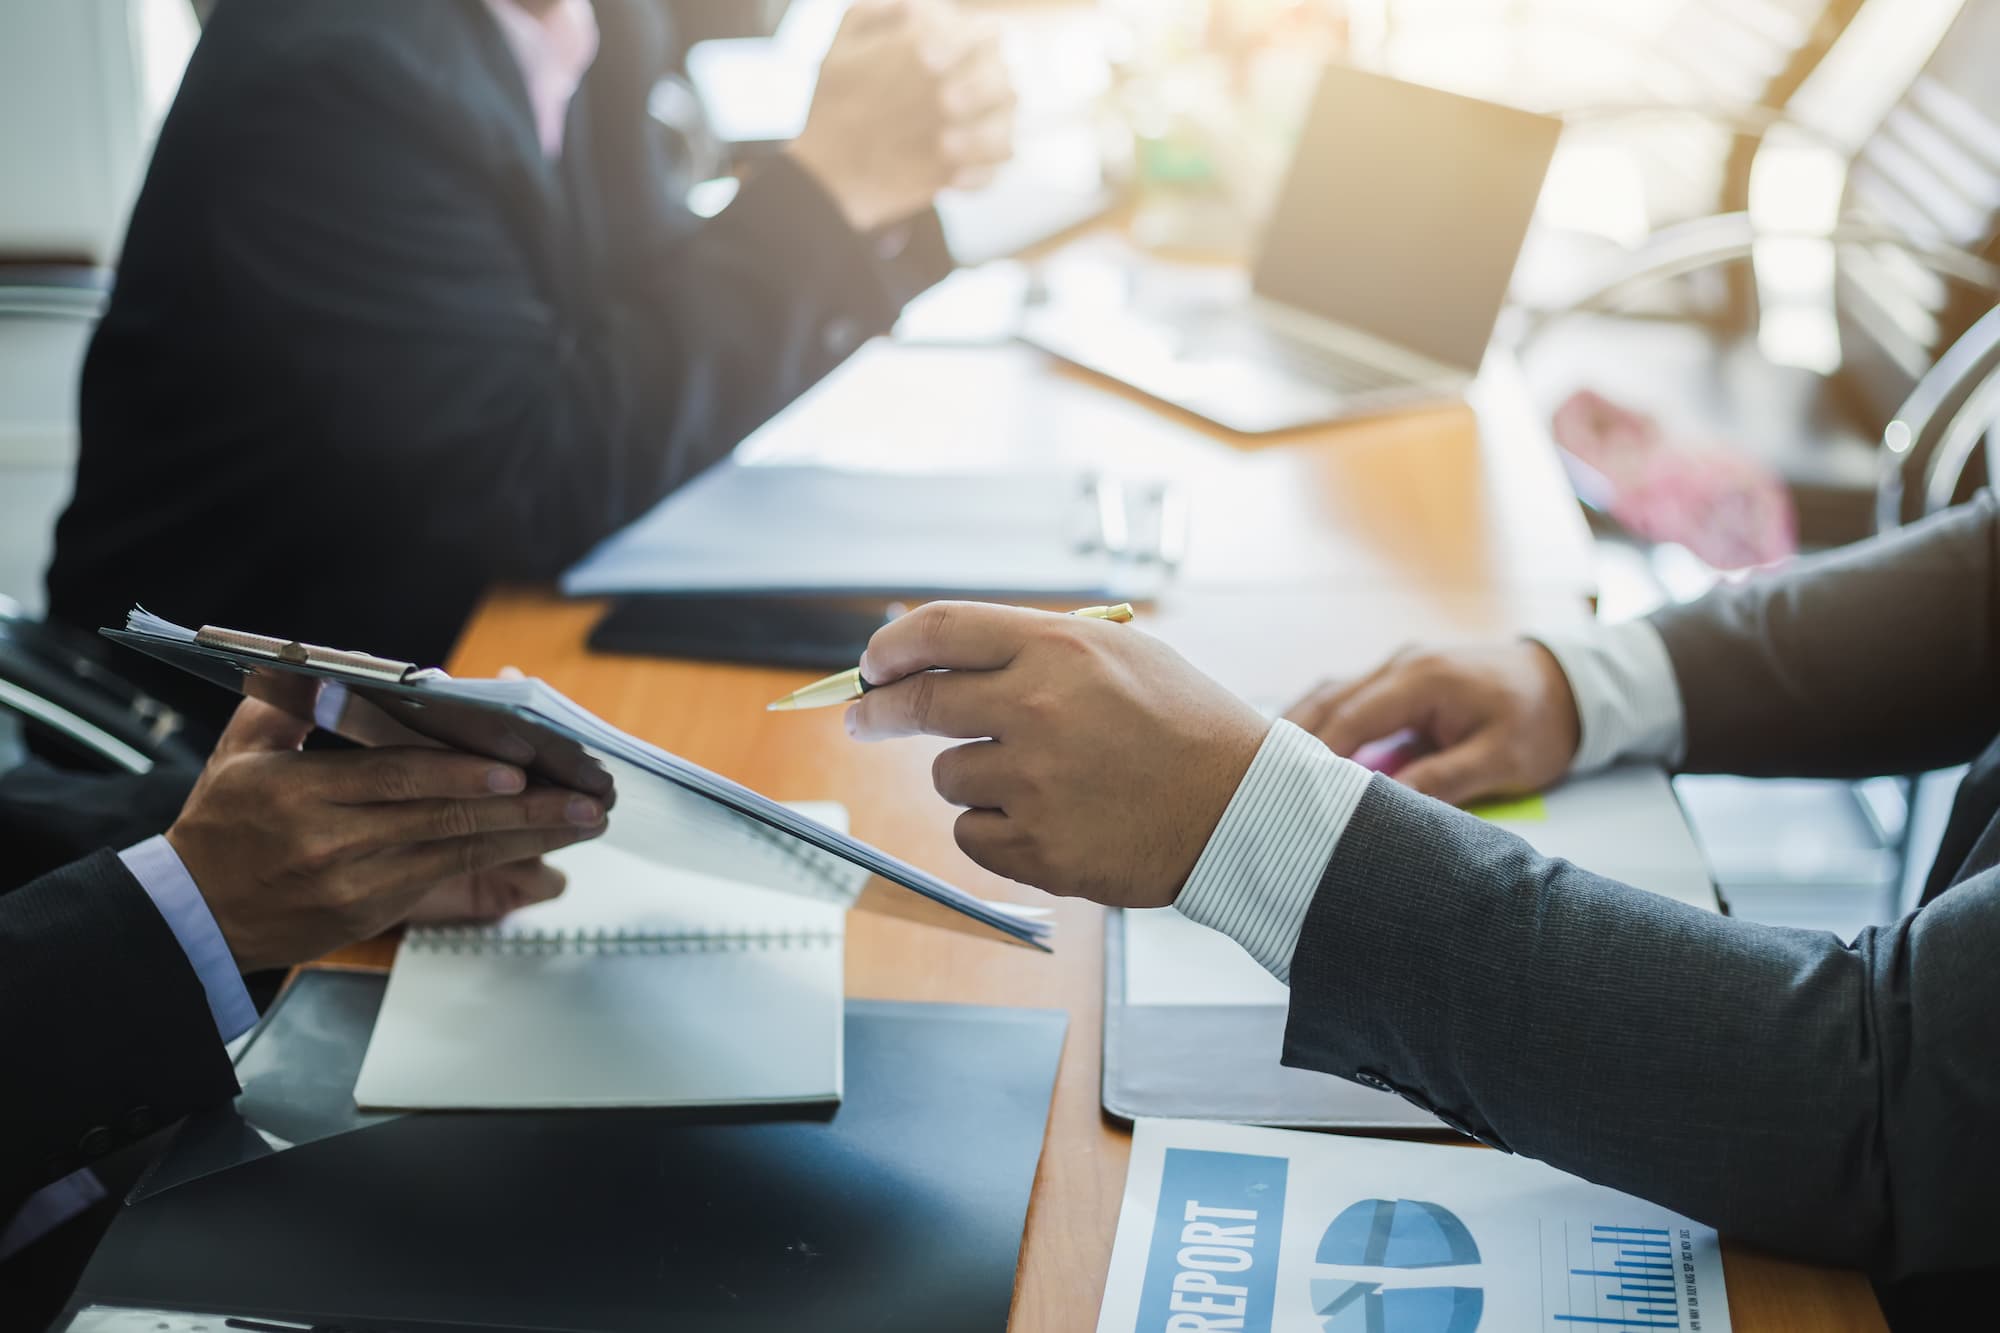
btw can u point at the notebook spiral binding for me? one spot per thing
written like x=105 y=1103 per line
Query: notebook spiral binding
x=828 y=877
x=490 y=940
x=822 y=875
x=831 y=879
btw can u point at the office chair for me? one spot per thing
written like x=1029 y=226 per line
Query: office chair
x=1941 y=442
x=1785 y=850
x=1936 y=448
x=1915 y=259
x=63 y=704
x=1724 y=76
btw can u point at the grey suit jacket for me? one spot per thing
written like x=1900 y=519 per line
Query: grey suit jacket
x=1837 y=1101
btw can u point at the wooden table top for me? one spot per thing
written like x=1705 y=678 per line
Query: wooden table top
x=1425 y=503
x=1430 y=526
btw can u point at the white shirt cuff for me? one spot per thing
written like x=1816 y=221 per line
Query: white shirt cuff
x=1255 y=879
x=329 y=705
x=160 y=872
x=1627 y=699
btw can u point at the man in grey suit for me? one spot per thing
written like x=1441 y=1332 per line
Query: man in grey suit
x=1836 y=1101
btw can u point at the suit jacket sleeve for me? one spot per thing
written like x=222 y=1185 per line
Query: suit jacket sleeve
x=1828 y=1100
x=105 y=1032
x=376 y=232
x=1879 y=658
x=50 y=816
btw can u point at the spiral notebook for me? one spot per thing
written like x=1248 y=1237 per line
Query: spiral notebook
x=642 y=985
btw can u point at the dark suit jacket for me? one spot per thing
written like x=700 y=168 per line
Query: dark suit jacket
x=370 y=352
x=1838 y=1101
x=105 y=1032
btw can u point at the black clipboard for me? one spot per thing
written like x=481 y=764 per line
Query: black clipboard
x=664 y=808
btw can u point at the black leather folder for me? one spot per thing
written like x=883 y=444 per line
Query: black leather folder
x=823 y=634
x=901 y=1211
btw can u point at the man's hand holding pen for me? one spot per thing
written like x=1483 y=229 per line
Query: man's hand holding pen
x=1099 y=760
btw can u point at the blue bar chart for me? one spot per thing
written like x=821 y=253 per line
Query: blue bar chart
x=1630 y=1272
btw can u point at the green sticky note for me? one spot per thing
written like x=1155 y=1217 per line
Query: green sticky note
x=1523 y=810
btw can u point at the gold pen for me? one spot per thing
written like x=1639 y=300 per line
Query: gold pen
x=848 y=686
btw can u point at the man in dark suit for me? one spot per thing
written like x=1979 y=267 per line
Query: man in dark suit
x=411 y=303
x=1832 y=1100
x=122 y=948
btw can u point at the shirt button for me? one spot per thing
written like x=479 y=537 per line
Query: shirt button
x=893 y=243
x=96 y=1142
x=839 y=336
x=1369 y=1079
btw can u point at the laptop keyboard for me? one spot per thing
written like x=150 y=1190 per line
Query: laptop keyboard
x=1212 y=334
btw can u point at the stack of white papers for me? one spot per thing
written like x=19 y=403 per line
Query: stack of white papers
x=785 y=528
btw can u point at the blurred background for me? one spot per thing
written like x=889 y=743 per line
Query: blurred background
x=1766 y=224
x=1776 y=111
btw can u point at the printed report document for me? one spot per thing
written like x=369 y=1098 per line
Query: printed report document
x=1231 y=1229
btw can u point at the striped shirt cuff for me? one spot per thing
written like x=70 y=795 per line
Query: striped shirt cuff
x=1628 y=701
x=1255 y=880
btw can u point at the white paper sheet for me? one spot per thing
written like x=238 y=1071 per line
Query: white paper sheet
x=1172 y=960
x=1226 y=1227
x=1623 y=823
x=791 y=528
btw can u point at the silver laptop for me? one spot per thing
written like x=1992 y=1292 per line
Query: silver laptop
x=1384 y=267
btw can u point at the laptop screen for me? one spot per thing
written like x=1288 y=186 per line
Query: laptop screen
x=1404 y=211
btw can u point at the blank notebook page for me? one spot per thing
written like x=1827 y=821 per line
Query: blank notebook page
x=641 y=985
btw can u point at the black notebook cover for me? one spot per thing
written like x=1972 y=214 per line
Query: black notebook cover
x=902 y=1211
x=824 y=634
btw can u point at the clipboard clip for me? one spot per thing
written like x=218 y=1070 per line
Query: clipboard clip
x=385 y=670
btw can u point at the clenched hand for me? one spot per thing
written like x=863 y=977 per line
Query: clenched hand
x=1100 y=760
x=913 y=97
x=297 y=854
x=1499 y=719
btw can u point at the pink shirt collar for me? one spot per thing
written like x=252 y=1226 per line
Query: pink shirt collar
x=553 y=51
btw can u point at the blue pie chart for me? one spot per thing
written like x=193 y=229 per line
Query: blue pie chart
x=1396 y=1233
x=1369 y=1307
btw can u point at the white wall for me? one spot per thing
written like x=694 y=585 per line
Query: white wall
x=83 y=85
x=39 y=361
